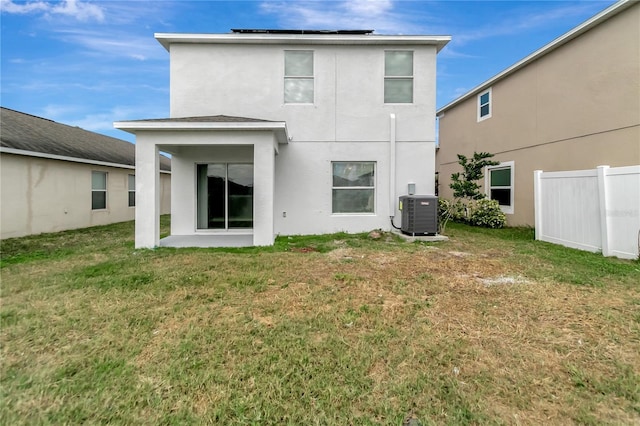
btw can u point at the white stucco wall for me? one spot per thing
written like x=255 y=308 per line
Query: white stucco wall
x=304 y=182
x=44 y=195
x=248 y=81
x=348 y=121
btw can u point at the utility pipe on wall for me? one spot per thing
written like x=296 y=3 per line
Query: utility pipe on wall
x=392 y=166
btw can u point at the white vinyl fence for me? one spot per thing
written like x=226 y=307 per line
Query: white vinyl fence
x=594 y=210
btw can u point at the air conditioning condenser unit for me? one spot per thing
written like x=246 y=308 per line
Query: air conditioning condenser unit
x=419 y=214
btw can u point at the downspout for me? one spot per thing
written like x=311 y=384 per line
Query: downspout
x=392 y=168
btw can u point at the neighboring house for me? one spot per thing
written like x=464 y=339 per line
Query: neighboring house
x=55 y=177
x=572 y=105
x=288 y=132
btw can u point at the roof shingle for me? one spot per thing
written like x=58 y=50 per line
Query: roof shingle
x=30 y=133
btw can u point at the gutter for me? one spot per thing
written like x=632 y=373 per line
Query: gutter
x=166 y=39
x=5 y=150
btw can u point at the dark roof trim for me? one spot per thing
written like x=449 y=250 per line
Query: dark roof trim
x=165 y=163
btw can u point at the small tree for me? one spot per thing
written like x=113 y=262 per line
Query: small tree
x=465 y=184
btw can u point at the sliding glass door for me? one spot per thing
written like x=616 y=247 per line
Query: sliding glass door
x=224 y=196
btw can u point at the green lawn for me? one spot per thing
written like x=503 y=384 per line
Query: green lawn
x=489 y=327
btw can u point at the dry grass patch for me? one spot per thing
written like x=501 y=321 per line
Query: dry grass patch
x=485 y=328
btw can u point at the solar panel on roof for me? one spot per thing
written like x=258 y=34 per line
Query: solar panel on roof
x=284 y=31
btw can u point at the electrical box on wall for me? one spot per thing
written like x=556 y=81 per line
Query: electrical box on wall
x=419 y=214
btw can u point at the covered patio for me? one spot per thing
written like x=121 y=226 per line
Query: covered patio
x=223 y=174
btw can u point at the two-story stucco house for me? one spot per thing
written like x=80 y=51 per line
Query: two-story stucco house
x=574 y=104
x=283 y=132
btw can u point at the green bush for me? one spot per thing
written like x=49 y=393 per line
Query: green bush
x=459 y=211
x=443 y=209
x=485 y=213
x=450 y=210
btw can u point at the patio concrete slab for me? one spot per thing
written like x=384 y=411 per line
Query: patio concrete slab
x=425 y=238
x=242 y=240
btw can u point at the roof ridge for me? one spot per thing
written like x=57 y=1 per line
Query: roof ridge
x=31 y=115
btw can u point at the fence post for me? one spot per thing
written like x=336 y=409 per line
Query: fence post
x=537 y=203
x=604 y=219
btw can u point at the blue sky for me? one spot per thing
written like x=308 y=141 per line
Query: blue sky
x=90 y=63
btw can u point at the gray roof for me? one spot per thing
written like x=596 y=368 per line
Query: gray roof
x=27 y=132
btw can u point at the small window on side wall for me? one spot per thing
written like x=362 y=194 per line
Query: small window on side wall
x=353 y=187
x=98 y=190
x=484 y=105
x=132 y=190
x=499 y=184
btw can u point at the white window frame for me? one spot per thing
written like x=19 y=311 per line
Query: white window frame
x=299 y=77
x=347 y=188
x=131 y=190
x=106 y=185
x=399 y=77
x=489 y=104
x=487 y=184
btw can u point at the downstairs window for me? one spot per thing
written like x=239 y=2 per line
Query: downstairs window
x=353 y=187
x=500 y=185
x=98 y=190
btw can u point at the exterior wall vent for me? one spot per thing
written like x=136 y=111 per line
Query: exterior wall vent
x=419 y=214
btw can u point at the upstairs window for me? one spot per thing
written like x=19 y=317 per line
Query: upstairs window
x=98 y=190
x=500 y=185
x=398 y=77
x=484 y=105
x=132 y=190
x=298 y=77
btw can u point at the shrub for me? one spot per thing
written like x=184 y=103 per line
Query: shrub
x=486 y=213
x=443 y=209
x=450 y=210
x=459 y=211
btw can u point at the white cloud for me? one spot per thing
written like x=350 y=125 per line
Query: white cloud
x=450 y=52
x=369 y=7
x=77 y=9
x=98 y=121
x=459 y=91
x=8 y=6
x=114 y=45
x=526 y=20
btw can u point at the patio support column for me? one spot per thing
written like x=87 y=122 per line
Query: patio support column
x=263 y=193
x=147 y=193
